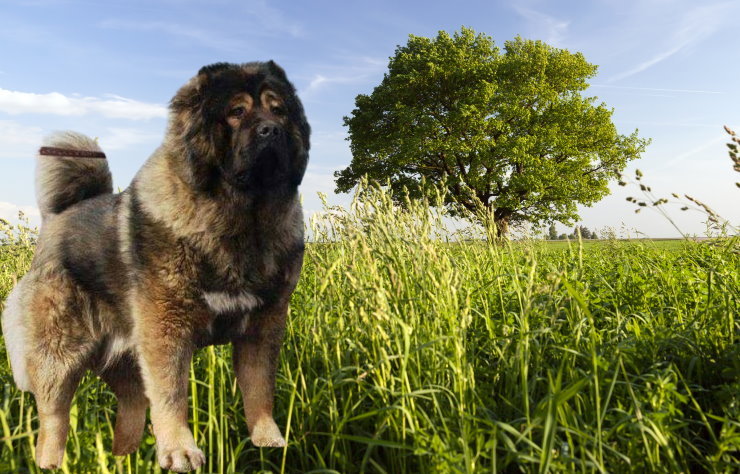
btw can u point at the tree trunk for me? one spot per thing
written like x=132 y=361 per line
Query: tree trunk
x=502 y=227
x=501 y=219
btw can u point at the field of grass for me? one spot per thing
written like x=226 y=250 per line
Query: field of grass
x=407 y=353
x=664 y=244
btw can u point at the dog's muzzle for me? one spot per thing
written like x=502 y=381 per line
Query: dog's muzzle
x=269 y=131
x=266 y=162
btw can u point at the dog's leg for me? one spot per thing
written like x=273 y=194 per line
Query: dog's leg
x=165 y=367
x=53 y=389
x=165 y=345
x=61 y=351
x=255 y=363
x=124 y=379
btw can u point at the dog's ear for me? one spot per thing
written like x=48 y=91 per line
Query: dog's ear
x=188 y=97
x=212 y=69
x=196 y=131
x=193 y=95
x=276 y=70
x=300 y=160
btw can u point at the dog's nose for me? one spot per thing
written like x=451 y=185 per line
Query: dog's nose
x=268 y=129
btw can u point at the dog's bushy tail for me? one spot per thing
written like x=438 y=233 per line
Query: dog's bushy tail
x=64 y=179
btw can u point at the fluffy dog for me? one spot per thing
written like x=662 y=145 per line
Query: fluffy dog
x=204 y=247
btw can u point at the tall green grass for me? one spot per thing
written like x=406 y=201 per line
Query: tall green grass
x=408 y=351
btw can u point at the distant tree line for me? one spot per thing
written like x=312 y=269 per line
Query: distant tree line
x=552 y=233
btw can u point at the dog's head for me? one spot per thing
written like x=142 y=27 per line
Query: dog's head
x=240 y=126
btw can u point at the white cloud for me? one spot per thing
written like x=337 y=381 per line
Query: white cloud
x=54 y=103
x=317 y=179
x=18 y=141
x=120 y=138
x=21 y=141
x=13 y=133
x=9 y=212
x=332 y=147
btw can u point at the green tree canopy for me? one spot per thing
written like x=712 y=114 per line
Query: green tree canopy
x=509 y=131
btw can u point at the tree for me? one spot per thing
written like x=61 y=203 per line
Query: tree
x=509 y=133
x=552 y=232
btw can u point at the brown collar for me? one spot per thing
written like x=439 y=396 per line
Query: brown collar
x=53 y=151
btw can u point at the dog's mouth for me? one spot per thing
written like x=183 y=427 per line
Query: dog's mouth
x=269 y=168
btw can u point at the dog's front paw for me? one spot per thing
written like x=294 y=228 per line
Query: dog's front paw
x=266 y=434
x=50 y=451
x=181 y=460
x=50 y=460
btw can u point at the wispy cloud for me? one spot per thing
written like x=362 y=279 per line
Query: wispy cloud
x=650 y=62
x=670 y=124
x=195 y=35
x=17 y=134
x=273 y=20
x=657 y=89
x=18 y=141
x=694 y=26
x=699 y=151
x=320 y=81
x=550 y=29
x=54 y=103
x=354 y=71
x=264 y=20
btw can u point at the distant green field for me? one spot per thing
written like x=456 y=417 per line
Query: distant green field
x=405 y=354
x=667 y=244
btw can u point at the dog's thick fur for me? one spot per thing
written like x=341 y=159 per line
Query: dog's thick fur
x=204 y=247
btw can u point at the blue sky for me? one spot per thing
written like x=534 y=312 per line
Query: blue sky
x=108 y=68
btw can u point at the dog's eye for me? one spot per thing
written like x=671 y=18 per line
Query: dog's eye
x=237 y=111
x=277 y=110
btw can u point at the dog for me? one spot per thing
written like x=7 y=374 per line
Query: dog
x=204 y=247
